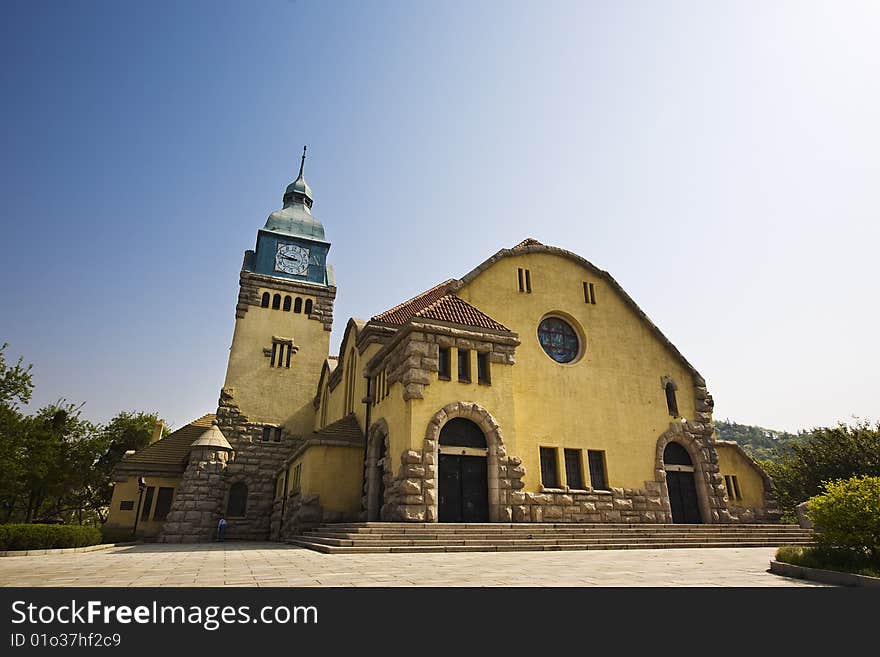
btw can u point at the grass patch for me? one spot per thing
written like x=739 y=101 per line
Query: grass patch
x=836 y=559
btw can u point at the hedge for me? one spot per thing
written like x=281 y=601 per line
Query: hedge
x=44 y=537
x=847 y=515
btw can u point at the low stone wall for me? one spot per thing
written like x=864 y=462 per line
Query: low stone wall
x=619 y=505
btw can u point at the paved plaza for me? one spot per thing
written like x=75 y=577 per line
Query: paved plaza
x=271 y=564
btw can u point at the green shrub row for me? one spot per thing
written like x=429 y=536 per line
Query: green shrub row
x=823 y=558
x=44 y=537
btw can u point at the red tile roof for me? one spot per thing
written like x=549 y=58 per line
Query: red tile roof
x=405 y=311
x=454 y=310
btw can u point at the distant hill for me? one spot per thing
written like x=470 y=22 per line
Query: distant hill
x=761 y=444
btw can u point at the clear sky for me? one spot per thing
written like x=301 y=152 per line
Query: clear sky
x=719 y=159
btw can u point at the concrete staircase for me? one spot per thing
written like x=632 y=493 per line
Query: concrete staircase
x=360 y=538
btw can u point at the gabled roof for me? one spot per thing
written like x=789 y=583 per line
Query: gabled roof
x=439 y=305
x=169 y=453
x=405 y=311
x=531 y=245
x=455 y=310
x=342 y=433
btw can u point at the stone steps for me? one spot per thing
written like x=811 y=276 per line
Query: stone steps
x=362 y=538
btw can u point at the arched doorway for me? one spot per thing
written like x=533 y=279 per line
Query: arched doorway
x=374 y=470
x=681 y=485
x=462 y=474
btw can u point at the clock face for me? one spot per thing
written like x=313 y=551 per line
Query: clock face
x=292 y=259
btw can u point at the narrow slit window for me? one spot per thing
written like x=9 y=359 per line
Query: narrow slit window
x=308 y=309
x=464 y=365
x=276 y=437
x=729 y=486
x=276 y=302
x=264 y=303
x=519 y=274
x=592 y=294
x=287 y=360
x=548 y=468
x=163 y=503
x=267 y=434
x=274 y=351
x=586 y=292
x=528 y=281
x=483 y=368
x=598 y=475
x=287 y=303
x=671 y=402
x=298 y=305
x=443 y=368
x=736 y=492
x=574 y=476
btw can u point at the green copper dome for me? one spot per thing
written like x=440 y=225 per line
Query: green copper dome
x=295 y=218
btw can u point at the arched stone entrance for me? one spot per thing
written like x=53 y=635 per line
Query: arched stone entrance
x=462 y=473
x=376 y=470
x=680 y=484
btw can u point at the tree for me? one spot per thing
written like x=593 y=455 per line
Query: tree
x=828 y=454
x=16 y=384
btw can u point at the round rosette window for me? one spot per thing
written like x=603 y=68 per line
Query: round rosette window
x=559 y=339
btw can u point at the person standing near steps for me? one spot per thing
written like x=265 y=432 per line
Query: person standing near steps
x=221 y=529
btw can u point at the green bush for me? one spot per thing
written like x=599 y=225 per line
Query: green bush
x=847 y=516
x=40 y=537
x=845 y=561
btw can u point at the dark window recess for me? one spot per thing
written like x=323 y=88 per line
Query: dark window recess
x=267 y=434
x=147 y=503
x=308 y=310
x=276 y=302
x=592 y=294
x=671 y=402
x=281 y=353
x=265 y=301
x=483 y=368
x=464 y=365
x=729 y=486
x=287 y=360
x=297 y=476
x=126 y=505
x=589 y=293
x=276 y=436
x=298 y=305
x=573 y=472
x=461 y=432
x=237 y=505
x=528 y=281
x=443 y=367
x=287 y=303
x=548 y=468
x=598 y=479
x=735 y=487
x=163 y=503
x=519 y=276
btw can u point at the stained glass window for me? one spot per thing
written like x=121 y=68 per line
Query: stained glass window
x=558 y=339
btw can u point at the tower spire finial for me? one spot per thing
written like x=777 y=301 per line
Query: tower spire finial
x=302 y=162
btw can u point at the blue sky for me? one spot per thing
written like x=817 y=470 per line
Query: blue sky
x=719 y=159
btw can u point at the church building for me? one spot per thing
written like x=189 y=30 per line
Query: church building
x=530 y=389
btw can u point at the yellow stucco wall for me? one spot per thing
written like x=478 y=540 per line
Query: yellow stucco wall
x=751 y=485
x=611 y=399
x=334 y=474
x=128 y=490
x=277 y=395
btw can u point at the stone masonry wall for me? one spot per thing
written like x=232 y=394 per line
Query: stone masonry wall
x=198 y=503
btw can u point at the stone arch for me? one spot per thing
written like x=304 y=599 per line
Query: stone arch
x=710 y=487
x=497 y=471
x=377 y=443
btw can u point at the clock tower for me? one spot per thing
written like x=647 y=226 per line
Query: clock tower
x=283 y=320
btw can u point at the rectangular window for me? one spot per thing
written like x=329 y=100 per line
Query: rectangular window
x=735 y=487
x=548 y=467
x=589 y=293
x=274 y=352
x=163 y=503
x=281 y=353
x=592 y=294
x=147 y=503
x=267 y=434
x=464 y=365
x=483 y=368
x=528 y=281
x=598 y=478
x=126 y=505
x=573 y=471
x=276 y=437
x=519 y=274
x=729 y=486
x=443 y=368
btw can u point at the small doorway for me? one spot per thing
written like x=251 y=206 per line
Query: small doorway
x=375 y=472
x=681 y=485
x=462 y=474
